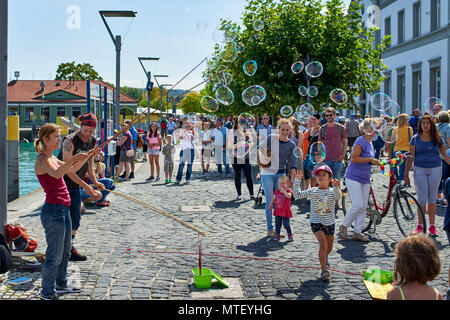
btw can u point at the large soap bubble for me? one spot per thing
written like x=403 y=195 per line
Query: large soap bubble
x=228 y=51
x=297 y=67
x=307 y=108
x=254 y=95
x=286 y=111
x=434 y=105
x=378 y=101
x=313 y=91
x=314 y=69
x=338 y=96
x=389 y=134
x=224 y=95
x=317 y=152
x=209 y=104
x=258 y=25
x=303 y=91
x=391 y=109
x=250 y=67
x=246 y=120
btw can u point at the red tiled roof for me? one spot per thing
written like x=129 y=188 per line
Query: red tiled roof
x=30 y=90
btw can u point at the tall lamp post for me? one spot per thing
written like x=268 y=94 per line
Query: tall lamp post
x=156 y=76
x=3 y=114
x=149 y=86
x=117 y=40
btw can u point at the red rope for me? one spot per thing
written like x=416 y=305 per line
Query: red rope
x=249 y=258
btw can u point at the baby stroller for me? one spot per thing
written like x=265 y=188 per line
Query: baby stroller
x=258 y=198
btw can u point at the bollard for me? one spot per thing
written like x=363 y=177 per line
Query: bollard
x=13 y=157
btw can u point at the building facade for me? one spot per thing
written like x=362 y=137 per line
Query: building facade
x=418 y=55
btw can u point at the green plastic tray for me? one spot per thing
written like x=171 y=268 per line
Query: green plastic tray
x=379 y=276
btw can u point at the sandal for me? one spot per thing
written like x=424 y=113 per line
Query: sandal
x=325 y=276
x=343 y=232
x=360 y=237
x=328 y=263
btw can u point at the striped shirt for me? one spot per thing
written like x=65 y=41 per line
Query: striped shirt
x=323 y=202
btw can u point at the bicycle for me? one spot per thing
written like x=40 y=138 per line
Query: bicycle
x=405 y=204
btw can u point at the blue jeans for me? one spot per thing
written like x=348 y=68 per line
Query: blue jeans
x=270 y=184
x=186 y=155
x=336 y=168
x=57 y=225
x=286 y=224
x=227 y=166
x=75 y=207
x=108 y=183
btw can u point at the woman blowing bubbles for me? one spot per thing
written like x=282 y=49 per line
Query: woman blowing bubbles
x=55 y=215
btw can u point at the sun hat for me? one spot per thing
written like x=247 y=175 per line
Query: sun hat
x=323 y=168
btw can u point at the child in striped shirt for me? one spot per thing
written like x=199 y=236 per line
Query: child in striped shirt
x=322 y=218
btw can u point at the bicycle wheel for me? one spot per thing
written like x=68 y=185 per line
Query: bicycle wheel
x=406 y=211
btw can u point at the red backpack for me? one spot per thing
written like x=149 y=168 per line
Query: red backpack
x=15 y=233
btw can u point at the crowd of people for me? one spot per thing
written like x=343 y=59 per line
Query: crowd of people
x=286 y=168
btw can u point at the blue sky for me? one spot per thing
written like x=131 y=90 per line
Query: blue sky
x=42 y=34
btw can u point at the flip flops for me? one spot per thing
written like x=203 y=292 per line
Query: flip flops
x=343 y=232
x=360 y=237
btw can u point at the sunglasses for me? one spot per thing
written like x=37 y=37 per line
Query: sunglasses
x=329 y=115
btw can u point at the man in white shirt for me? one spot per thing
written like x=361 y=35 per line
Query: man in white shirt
x=219 y=136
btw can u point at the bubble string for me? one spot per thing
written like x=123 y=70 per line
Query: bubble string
x=391 y=164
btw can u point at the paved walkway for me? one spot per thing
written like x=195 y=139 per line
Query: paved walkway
x=136 y=253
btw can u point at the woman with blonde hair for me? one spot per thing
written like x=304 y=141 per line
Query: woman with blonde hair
x=404 y=133
x=280 y=151
x=55 y=215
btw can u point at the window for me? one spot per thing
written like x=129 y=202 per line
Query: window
x=387 y=85
x=435 y=14
x=60 y=111
x=416 y=19
x=387 y=27
x=45 y=114
x=401 y=88
x=435 y=82
x=401 y=26
x=13 y=111
x=76 y=111
x=417 y=89
x=29 y=112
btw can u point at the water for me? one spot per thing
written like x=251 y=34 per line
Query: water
x=28 y=181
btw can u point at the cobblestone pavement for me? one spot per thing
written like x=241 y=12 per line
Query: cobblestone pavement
x=136 y=253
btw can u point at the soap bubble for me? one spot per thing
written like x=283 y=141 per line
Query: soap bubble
x=378 y=123
x=258 y=25
x=257 y=36
x=434 y=105
x=313 y=91
x=317 y=152
x=280 y=74
x=254 y=95
x=286 y=111
x=246 y=120
x=227 y=77
x=378 y=100
x=241 y=149
x=391 y=109
x=298 y=153
x=303 y=117
x=202 y=25
x=250 y=67
x=297 y=67
x=306 y=108
x=389 y=134
x=228 y=51
x=209 y=104
x=218 y=73
x=229 y=33
x=314 y=69
x=303 y=91
x=211 y=117
x=224 y=95
x=338 y=96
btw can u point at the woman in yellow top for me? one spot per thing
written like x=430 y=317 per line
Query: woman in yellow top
x=404 y=134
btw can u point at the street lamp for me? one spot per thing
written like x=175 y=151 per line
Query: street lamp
x=149 y=85
x=156 y=76
x=117 y=40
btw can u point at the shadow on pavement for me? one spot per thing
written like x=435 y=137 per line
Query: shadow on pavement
x=313 y=288
x=261 y=247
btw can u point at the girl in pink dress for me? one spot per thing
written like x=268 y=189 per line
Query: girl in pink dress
x=282 y=212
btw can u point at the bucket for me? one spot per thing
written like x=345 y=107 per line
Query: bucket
x=203 y=280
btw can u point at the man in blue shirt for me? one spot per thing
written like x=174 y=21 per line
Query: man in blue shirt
x=414 y=120
x=265 y=128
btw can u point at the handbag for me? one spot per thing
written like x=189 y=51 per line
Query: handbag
x=130 y=153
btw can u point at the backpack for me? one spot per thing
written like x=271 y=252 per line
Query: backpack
x=163 y=124
x=16 y=234
x=5 y=256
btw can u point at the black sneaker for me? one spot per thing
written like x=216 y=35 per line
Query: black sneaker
x=68 y=289
x=122 y=176
x=49 y=298
x=75 y=256
x=131 y=175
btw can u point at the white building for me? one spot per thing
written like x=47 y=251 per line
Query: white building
x=418 y=56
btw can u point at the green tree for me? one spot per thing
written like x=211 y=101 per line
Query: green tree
x=72 y=71
x=191 y=103
x=294 y=29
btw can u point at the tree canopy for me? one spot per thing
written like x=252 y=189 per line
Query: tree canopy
x=293 y=30
x=72 y=71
